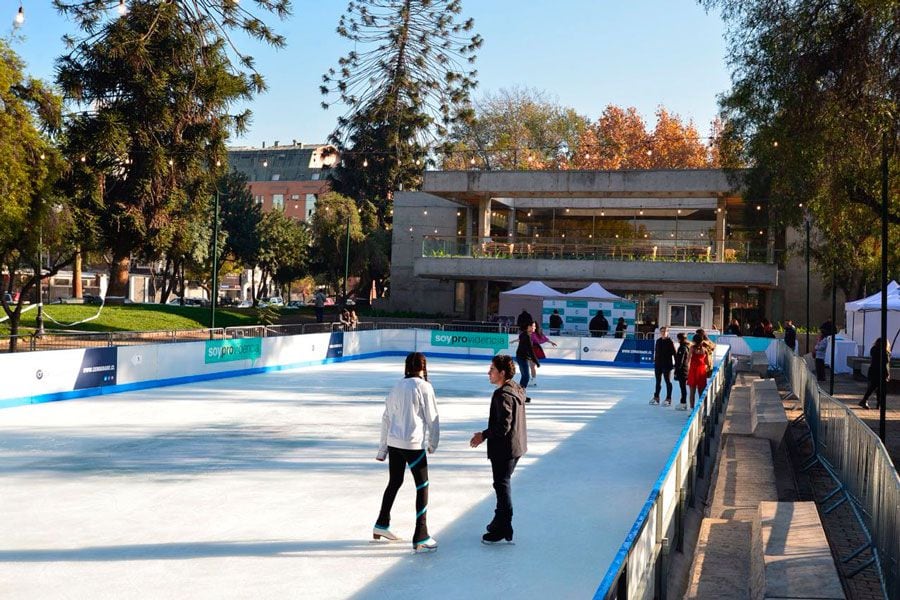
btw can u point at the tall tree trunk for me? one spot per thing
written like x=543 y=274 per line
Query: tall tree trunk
x=118 y=276
x=77 y=290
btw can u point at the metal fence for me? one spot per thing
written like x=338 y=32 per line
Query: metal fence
x=641 y=566
x=67 y=340
x=860 y=466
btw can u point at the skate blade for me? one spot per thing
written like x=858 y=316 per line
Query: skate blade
x=384 y=540
x=498 y=543
x=424 y=550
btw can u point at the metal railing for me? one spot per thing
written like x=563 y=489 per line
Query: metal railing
x=859 y=464
x=667 y=249
x=69 y=340
x=641 y=566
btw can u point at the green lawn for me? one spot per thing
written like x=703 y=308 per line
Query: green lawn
x=134 y=317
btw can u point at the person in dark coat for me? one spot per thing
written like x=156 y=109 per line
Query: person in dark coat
x=663 y=361
x=556 y=322
x=598 y=325
x=879 y=369
x=621 y=328
x=734 y=328
x=525 y=353
x=507 y=441
x=524 y=319
x=682 y=366
x=790 y=335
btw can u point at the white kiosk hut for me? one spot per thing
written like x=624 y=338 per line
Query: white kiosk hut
x=577 y=309
x=528 y=297
x=864 y=318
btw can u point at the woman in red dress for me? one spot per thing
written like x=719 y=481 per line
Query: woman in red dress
x=699 y=368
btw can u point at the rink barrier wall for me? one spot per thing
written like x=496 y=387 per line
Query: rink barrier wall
x=641 y=566
x=51 y=376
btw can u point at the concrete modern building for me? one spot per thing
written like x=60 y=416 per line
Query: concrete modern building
x=289 y=177
x=685 y=241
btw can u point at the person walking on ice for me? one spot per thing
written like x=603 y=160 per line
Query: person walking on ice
x=663 y=361
x=409 y=428
x=507 y=441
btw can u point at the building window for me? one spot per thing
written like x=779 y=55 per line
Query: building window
x=310 y=205
x=259 y=200
x=278 y=201
x=315 y=176
x=276 y=177
x=685 y=315
x=295 y=196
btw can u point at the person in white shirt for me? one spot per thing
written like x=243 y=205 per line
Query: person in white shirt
x=409 y=428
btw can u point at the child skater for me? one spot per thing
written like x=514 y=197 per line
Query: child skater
x=538 y=338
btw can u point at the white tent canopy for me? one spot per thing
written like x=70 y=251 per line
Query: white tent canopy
x=528 y=297
x=864 y=317
x=594 y=291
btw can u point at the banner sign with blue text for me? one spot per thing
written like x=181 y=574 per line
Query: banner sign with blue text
x=218 y=351
x=336 y=345
x=470 y=339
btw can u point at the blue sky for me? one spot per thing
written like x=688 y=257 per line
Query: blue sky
x=585 y=54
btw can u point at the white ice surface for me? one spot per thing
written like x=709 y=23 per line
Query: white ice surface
x=266 y=487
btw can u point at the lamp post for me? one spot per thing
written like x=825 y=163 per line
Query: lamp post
x=347 y=260
x=39 y=320
x=214 y=294
x=806 y=220
x=882 y=384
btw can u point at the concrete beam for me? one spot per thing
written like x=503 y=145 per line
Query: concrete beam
x=689 y=183
x=712 y=274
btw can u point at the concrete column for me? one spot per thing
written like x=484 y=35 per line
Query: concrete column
x=484 y=219
x=720 y=230
x=512 y=222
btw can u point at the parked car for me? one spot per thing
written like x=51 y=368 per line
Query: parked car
x=245 y=304
x=294 y=304
x=276 y=301
x=189 y=302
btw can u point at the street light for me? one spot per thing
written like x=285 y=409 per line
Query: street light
x=214 y=295
x=347 y=260
x=39 y=320
x=806 y=220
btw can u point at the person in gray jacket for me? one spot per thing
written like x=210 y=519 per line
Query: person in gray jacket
x=409 y=427
x=507 y=441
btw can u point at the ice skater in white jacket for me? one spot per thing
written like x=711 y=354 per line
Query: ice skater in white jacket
x=409 y=428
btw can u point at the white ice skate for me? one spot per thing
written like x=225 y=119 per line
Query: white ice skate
x=426 y=545
x=384 y=535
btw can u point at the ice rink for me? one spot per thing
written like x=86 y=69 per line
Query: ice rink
x=266 y=486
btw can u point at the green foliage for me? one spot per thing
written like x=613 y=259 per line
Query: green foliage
x=514 y=129
x=284 y=248
x=814 y=103
x=405 y=86
x=335 y=215
x=240 y=218
x=159 y=84
x=36 y=220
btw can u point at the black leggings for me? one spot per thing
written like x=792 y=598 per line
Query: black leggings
x=667 y=374
x=398 y=458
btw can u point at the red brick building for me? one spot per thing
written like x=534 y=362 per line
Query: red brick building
x=290 y=178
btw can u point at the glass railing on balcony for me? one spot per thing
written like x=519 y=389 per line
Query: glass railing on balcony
x=643 y=249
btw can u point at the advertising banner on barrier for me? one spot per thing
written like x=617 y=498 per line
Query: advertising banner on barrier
x=218 y=351
x=636 y=352
x=98 y=368
x=470 y=339
x=336 y=345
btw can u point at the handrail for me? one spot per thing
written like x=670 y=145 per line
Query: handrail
x=665 y=247
x=640 y=567
x=858 y=461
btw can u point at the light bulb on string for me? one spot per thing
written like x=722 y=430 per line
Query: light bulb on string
x=472 y=162
x=171 y=162
x=265 y=163
x=20 y=16
x=365 y=162
x=122 y=9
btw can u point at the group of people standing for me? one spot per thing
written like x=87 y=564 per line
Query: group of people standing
x=692 y=364
x=410 y=429
x=599 y=326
